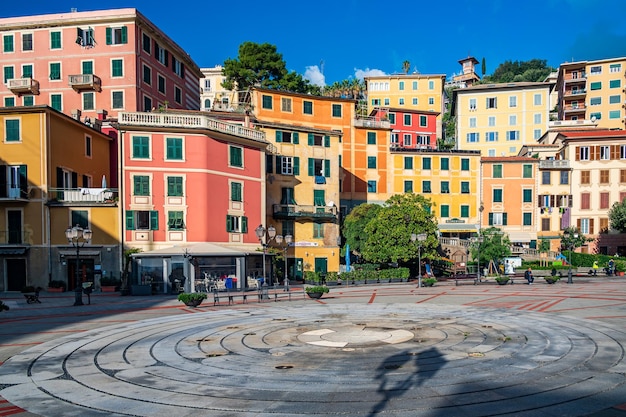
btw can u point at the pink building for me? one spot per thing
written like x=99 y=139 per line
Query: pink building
x=83 y=62
x=410 y=129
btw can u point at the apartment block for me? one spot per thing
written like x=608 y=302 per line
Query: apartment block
x=212 y=95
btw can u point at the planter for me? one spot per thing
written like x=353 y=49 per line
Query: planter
x=315 y=295
x=55 y=289
x=551 y=280
x=108 y=288
x=193 y=303
x=427 y=284
x=503 y=282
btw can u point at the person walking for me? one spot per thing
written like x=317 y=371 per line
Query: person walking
x=529 y=276
x=595 y=268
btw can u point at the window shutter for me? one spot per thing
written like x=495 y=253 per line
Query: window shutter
x=228 y=224
x=490 y=219
x=295 y=138
x=296 y=165
x=130 y=220
x=311 y=167
x=279 y=164
x=23 y=180
x=3 y=182
x=591 y=226
x=154 y=220
x=327 y=141
x=269 y=166
x=311 y=141
x=578 y=153
x=504 y=218
x=244 y=224
x=60 y=178
x=156 y=50
x=124 y=34
x=74 y=180
x=279 y=136
x=578 y=224
x=109 y=36
x=85 y=181
x=182 y=70
x=327 y=168
x=166 y=58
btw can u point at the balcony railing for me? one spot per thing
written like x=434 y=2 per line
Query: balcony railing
x=81 y=82
x=87 y=196
x=371 y=122
x=579 y=92
x=577 y=108
x=554 y=164
x=195 y=121
x=13 y=193
x=581 y=77
x=23 y=86
x=12 y=237
x=295 y=211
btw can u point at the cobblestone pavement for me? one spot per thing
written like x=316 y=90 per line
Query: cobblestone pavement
x=388 y=349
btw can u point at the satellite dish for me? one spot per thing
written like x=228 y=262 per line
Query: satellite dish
x=331 y=204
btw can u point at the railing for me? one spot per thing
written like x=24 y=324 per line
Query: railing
x=83 y=195
x=23 y=85
x=194 y=121
x=371 y=122
x=13 y=193
x=580 y=77
x=293 y=211
x=579 y=107
x=85 y=82
x=12 y=237
x=566 y=123
x=575 y=92
x=554 y=163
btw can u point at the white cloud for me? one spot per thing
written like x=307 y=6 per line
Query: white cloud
x=367 y=72
x=315 y=76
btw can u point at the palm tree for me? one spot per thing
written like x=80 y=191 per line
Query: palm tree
x=406 y=67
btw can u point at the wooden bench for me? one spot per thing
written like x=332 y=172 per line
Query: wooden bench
x=466 y=277
x=229 y=295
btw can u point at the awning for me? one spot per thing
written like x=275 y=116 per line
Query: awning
x=81 y=253
x=521 y=237
x=458 y=228
x=12 y=251
x=202 y=249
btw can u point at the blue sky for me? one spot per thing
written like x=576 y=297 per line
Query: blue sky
x=332 y=40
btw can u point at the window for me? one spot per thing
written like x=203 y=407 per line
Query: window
x=28 y=100
x=267 y=102
x=392 y=118
x=336 y=110
x=596 y=85
x=431 y=101
x=595 y=115
x=595 y=70
x=465 y=164
x=27 y=41
x=537 y=99
x=147 y=103
x=371 y=162
x=146 y=43
x=55 y=40
x=528 y=171
x=117 y=68
x=445 y=187
x=465 y=187
x=465 y=211
x=174 y=149
x=175 y=220
x=288 y=137
x=375 y=102
x=408 y=162
x=9 y=101
x=472 y=104
x=445 y=164
x=615 y=114
x=174 y=186
x=288 y=165
x=545 y=224
x=307 y=107
x=236 y=224
x=426 y=163
x=84 y=37
x=7 y=41
x=492 y=102
x=615 y=67
x=414 y=85
x=401 y=85
x=288 y=227
x=27 y=71
x=595 y=101
x=586 y=226
x=472 y=122
x=285 y=104
x=423 y=121
x=615 y=84
x=371 y=186
x=385 y=101
x=414 y=101
x=161 y=54
x=236 y=191
x=161 y=84
x=394 y=138
x=497 y=219
x=407 y=120
x=12 y=132
x=622 y=152
x=87 y=67
x=473 y=137
x=117 y=99
x=318 y=140
x=408 y=186
x=527 y=195
x=512 y=101
x=445 y=210
x=88 y=146
x=497 y=195
x=141 y=147
x=497 y=171
x=147 y=75
x=605 y=152
x=178 y=95
x=431 y=85
x=235 y=156
x=527 y=219
x=583 y=153
x=585 y=177
x=406 y=139
x=178 y=68
x=604 y=176
x=512 y=135
x=318 y=230
x=89 y=101
x=56 y=102
x=287 y=196
x=55 y=71
x=371 y=138
x=564 y=177
x=537 y=118
x=141 y=185
x=426 y=187
x=401 y=101
x=423 y=139
x=585 y=201
x=604 y=200
x=491 y=121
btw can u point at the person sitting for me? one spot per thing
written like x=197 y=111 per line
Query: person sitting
x=529 y=276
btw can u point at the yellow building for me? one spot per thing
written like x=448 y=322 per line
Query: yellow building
x=593 y=90
x=450 y=179
x=51 y=173
x=408 y=91
x=498 y=119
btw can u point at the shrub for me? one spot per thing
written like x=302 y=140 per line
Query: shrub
x=187 y=297
x=317 y=288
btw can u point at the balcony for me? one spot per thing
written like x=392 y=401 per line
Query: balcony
x=575 y=108
x=299 y=212
x=580 y=77
x=22 y=86
x=188 y=121
x=14 y=237
x=81 y=82
x=554 y=164
x=13 y=193
x=371 y=122
x=82 y=197
x=575 y=92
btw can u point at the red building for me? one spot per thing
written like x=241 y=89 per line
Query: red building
x=410 y=129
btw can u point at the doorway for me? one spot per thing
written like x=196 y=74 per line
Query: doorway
x=16 y=274
x=85 y=272
x=14 y=220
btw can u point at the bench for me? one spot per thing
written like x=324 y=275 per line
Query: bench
x=32 y=297
x=465 y=277
x=229 y=295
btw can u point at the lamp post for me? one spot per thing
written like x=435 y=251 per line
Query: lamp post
x=570 y=237
x=287 y=239
x=419 y=238
x=479 y=240
x=77 y=237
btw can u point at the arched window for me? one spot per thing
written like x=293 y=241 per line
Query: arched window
x=207 y=103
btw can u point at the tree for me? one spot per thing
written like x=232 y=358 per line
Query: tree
x=406 y=67
x=354 y=225
x=534 y=70
x=617 y=216
x=572 y=239
x=495 y=246
x=128 y=257
x=484 y=67
x=388 y=235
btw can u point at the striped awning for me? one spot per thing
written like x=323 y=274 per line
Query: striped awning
x=458 y=228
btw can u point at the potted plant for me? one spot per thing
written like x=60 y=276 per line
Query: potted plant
x=551 y=279
x=429 y=282
x=316 y=291
x=620 y=267
x=502 y=279
x=109 y=284
x=56 y=285
x=192 y=299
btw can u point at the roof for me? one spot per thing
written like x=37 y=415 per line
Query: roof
x=504 y=86
x=595 y=133
x=487 y=159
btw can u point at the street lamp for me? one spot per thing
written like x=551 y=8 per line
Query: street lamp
x=265 y=236
x=419 y=238
x=77 y=237
x=479 y=240
x=287 y=239
x=570 y=237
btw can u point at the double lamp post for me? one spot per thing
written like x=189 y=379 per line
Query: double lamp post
x=77 y=237
x=570 y=238
x=419 y=238
x=265 y=236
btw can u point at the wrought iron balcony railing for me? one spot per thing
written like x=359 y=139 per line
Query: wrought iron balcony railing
x=87 y=196
x=296 y=211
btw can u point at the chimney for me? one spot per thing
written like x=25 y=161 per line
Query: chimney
x=102 y=114
x=76 y=113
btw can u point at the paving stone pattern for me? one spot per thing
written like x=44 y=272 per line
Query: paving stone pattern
x=335 y=359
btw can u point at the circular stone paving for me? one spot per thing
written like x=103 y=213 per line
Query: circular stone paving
x=325 y=360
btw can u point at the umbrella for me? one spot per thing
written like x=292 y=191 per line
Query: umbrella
x=347 y=257
x=104 y=181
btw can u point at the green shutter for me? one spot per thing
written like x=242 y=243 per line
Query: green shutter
x=269 y=163
x=490 y=219
x=327 y=168
x=279 y=164
x=23 y=181
x=124 y=34
x=296 y=165
x=109 y=36
x=504 y=223
x=130 y=220
x=154 y=220
x=311 y=139
x=327 y=141
x=311 y=167
x=244 y=224
x=295 y=138
x=228 y=224
x=279 y=136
